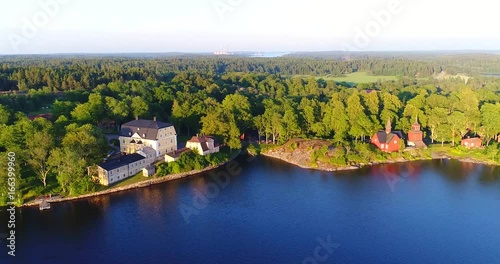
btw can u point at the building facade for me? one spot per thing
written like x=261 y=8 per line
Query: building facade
x=416 y=136
x=138 y=134
x=115 y=170
x=471 y=143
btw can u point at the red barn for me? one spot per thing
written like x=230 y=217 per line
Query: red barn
x=386 y=140
x=472 y=143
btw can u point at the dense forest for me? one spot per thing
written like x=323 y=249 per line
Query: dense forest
x=224 y=97
x=79 y=72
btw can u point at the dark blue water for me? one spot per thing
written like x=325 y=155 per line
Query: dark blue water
x=272 y=212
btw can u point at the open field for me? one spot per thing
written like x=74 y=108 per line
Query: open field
x=360 y=77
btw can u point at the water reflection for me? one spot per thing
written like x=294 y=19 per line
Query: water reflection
x=272 y=211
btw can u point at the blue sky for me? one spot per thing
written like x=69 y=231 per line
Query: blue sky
x=92 y=26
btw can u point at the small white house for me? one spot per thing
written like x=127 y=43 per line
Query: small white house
x=203 y=145
x=149 y=171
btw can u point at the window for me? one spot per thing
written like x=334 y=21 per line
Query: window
x=395 y=142
x=143 y=135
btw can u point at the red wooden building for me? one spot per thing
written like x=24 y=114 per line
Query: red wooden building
x=416 y=136
x=387 y=140
x=472 y=143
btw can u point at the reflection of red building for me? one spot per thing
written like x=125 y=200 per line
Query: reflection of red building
x=386 y=140
x=415 y=136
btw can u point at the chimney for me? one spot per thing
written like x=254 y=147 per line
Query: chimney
x=154 y=118
x=136 y=117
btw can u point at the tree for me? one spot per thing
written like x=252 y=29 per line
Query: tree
x=391 y=107
x=260 y=125
x=139 y=106
x=458 y=125
x=221 y=123
x=436 y=118
x=336 y=119
x=69 y=167
x=91 y=111
x=119 y=109
x=239 y=107
x=39 y=146
x=358 y=120
x=490 y=120
x=4 y=115
x=86 y=141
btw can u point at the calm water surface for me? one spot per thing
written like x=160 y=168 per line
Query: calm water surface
x=272 y=212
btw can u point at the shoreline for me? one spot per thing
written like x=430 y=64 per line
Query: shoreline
x=142 y=184
x=359 y=166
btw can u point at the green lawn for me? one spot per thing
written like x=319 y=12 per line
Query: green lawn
x=134 y=179
x=360 y=77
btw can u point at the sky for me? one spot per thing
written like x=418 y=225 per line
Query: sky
x=112 y=26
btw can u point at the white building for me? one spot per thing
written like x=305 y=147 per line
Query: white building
x=203 y=145
x=138 y=134
x=116 y=170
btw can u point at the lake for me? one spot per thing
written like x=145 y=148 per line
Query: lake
x=261 y=210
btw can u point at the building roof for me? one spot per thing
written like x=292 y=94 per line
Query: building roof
x=150 y=167
x=200 y=139
x=177 y=153
x=148 y=128
x=120 y=162
x=384 y=137
x=203 y=140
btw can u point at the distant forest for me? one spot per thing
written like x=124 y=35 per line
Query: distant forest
x=86 y=72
